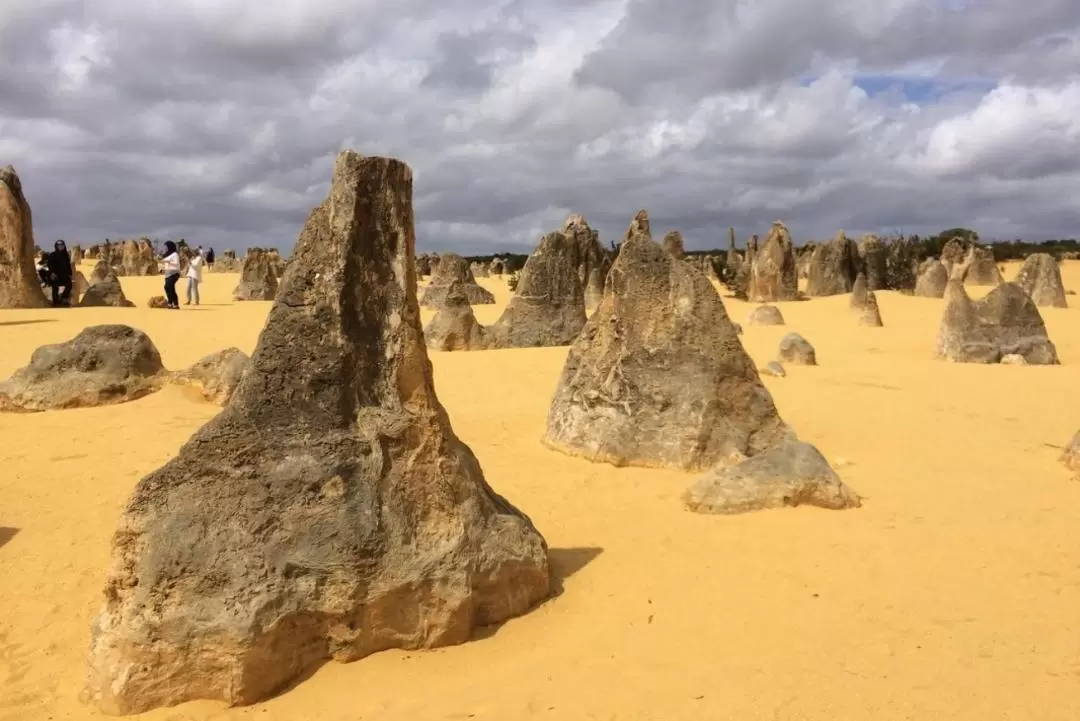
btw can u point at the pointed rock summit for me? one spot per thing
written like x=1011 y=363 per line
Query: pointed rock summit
x=833 y=267
x=452 y=267
x=104 y=289
x=454 y=326
x=1040 y=277
x=658 y=376
x=328 y=511
x=673 y=245
x=19 y=284
x=773 y=274
x=548 y=308
x=1004 y=322
x=258 y=281
x=870 y=314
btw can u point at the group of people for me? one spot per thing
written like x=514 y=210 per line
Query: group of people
x=55 y=271
x=171 y=260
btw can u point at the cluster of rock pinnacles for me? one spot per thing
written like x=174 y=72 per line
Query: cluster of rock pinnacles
x=223 y=585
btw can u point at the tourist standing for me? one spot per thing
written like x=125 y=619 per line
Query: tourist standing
x=60 y=275
x=210 y=259
x=172 y=274
x=194 y=276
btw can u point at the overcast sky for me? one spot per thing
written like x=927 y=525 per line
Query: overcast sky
x=218 y=120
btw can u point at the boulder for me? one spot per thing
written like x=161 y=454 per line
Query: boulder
x=870 y=314
x=258 y=281
x=658 y=377
x=790 y=474
x=1071 y=456
x=1013 y=359
x=765 y=315
x=328 y=511
x=453 y=267
x=1040 y=277
x=454 y=326
x=795 y=349
x=983 y=268
x=1005 y=321
x=104 y=289
x=548 y=308
x=933 y=278
x=102 y=365
x=833 y=267
x=19 y=283
x=216 y=375
x=157 y=301
x=673 y=245
x=873 y=260
x=774 y=369
x=860 y=292
x=772 y=271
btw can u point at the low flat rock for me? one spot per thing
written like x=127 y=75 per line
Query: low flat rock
x=795 y=349
x=790 y=474
x=216 y=375
x=765 y=315
x=102 y=365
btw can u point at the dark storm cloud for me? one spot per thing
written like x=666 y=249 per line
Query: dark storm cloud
x=218 y=120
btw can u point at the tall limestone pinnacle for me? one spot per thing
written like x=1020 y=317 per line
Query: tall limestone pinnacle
x=329 y=511
x=19 y=287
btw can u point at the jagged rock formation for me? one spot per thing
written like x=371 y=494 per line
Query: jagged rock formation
x=954 y=252
x=772 y=272
x=497 y=266
x=859 y=293
x=933 y=278
x=1040 y=277
x=803 y=258
x=734 y=259
x=833 y=267
x=102 y=365
x=139 y=258
x=227 y=262
x=1071 y=456
x=19 y=284
x=795 y=349
x=479 y=270
x=658 y=376
x=423 y=264
x=790 y=474
x=328 y=511
x=454 y=326
x=277 y=263
x=673 y=245
x=873 y=257
x=453 y=267
x=983 y=269
x=594 y=289
x=549 y=306
x=1006 y=321
x=593 y=262
x=258 y=281
x=104 y=289
x=216 y=375
x=765 y=315
x=870 y=314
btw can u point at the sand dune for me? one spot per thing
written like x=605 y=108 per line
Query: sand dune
x=953 y=593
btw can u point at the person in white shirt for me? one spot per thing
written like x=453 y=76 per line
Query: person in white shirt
x=194 y=275
x=172 y=274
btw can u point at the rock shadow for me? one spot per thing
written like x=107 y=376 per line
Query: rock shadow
x=6 y=534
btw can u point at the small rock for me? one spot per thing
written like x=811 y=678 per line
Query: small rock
x=773 y=368
x=1013 y=359
x=796 y=349
x=765 y=315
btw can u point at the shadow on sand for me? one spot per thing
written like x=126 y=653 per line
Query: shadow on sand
x=6 y=534
x=27 y=322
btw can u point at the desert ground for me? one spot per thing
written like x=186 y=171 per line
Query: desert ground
x=952 y=593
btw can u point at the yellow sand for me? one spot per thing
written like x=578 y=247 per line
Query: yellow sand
x=953 y=593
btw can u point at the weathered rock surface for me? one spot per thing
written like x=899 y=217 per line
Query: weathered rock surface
x=549 y=306
x=873 y=255
x=76 y=255
x=452 y=267
x=102 y=365
x=139 y=258
x=1071 y=456
x=833 y=267
x=1005 y=321
x=870 y=314
x=860 y=292
x=19 y=283
x=795 y=349
x=983 y=269
x=104 y=289
x=772 y=272
x=673 y=245
x=1040 y=277
x=658 y=376
x=774 y=369
x=454 y=326
x=933 y=278
x=215 y=375
x=790 y=474
x=258 y=281
x=765 y=315
x=479 y=270
x=593 y=261
x=328 y=511
x=594 y=290
x=158 y=302
x=277 y=263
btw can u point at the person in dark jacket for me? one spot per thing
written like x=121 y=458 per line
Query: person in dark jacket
x=60 y=275
x=210 y=259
